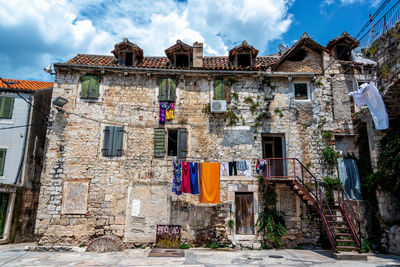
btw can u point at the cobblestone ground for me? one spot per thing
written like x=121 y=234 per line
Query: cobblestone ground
x=14 y=255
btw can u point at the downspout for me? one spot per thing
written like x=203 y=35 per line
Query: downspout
x=28 y=119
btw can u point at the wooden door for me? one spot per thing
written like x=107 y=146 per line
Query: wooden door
x=244 y=213
x=273 y=148
x=3 y=212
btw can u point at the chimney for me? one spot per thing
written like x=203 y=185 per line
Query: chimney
x=198 y=55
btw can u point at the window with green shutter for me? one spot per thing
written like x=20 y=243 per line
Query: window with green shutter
x=6 y=107
x=113 y=141
x=2 y=160
x=90 y=87
x=159 y=142
x=219 y=90
x=167 y=89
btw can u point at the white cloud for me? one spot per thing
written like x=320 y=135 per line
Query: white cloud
x=40 y=31
x=373 y=3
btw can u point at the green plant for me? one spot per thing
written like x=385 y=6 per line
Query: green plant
x=330 y=184
x=184 y=246
x=214 y=245
x=249 y=100
x=329 y=155
x=272 y=222
x=372 y=49
x=206 y=108
x=266 y=81
x=298 y=246
x=384 y=70
x=230 y=224
x=235 y=96
x=254 y=106
x=321 y=123
x=82 y=245
x=318 y=82
x=231 y=117
x=232 y=80
x=327 y=136
x=260 y=116
x=365 y=246
x=277 y=110
x=281 y=114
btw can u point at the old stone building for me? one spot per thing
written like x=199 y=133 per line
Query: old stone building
x=108 y=167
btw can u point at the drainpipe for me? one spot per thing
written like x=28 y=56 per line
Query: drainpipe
x=28 y=119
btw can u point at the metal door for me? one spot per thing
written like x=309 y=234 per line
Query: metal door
x=244 y=213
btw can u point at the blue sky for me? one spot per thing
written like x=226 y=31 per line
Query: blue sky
x=38 y=32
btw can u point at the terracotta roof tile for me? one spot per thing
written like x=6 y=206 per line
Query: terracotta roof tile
x=24 y=85
x=210 y=63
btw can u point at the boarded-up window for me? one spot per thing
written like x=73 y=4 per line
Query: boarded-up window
x=167 y=89
x=90 y=87
x=113 y=141
x=159 y=142
x=6 y=107
x=2 y=160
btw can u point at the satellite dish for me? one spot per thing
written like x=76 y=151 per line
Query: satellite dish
x=282 y=47
x=48 y=69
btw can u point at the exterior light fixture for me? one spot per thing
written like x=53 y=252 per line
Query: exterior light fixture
x=60 y=101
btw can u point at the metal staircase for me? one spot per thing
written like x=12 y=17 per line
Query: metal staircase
x=339 y=220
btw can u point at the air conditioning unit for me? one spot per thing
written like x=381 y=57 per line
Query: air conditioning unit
x=218 y=106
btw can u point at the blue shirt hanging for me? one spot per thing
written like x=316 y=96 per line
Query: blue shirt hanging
x=194 y=178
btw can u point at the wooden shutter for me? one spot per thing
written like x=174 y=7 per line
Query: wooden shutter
x=219 y=90
x=182 y=143
x=162 y=89
x=6 y=107
x=171 y=90
x=107 y=141
x=159 y=142
x=3 y=211
x=94 y=85
x=118 y=137
x=85 y=86
x=2 y=160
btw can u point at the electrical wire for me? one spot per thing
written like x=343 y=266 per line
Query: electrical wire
x=20 y=126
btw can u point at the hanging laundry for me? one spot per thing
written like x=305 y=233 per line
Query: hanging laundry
x=247 y=172
x=210 y=183
x=369 y=95
x=163 y=108
x=242 y=165
x=185 y=177
x=232 y=168
x=169 y=113
x=260 y=166
x=224 y=169
x=177 y=177
x=194 y=178
x=348 y=174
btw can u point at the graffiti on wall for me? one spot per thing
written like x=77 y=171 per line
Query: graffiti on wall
x=168 y=236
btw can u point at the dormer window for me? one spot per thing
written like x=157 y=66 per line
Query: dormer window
x=182 y=60
x=341 y=46
x=180 y=55
x=128 y=54
x=243 y=55
x=342 y=52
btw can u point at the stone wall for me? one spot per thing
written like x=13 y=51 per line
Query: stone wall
x=130 y=100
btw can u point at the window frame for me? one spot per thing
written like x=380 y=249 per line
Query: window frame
x=3 y=161
x=113 y=129
x=308 y=91
x=182 y=132
x=90 y=99
x=12 y=107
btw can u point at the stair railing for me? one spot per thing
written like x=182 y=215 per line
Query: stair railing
x=344 y=199
x=318 y=194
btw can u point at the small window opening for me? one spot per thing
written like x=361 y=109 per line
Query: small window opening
x=244 y=60
x=129 y=59
x=300 y=91
x=172 y=149
x=299 y=56
x=182 y=60
x=343 y=52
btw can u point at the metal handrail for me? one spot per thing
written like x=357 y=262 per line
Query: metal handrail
x=320 y=199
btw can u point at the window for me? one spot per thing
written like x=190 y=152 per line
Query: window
x=90 y=87
x=2 y=160
x=166 y=89
x=176 y=142
x=301 y=91
x=6 y=107
x=181 y=60
x=343 y=52
x=221 y=91
x=244 y=60
x=113 y=140
x=129 y=59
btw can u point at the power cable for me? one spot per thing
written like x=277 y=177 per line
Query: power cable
x=20 y=126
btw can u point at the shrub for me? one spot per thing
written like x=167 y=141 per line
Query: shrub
x=329 y=155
